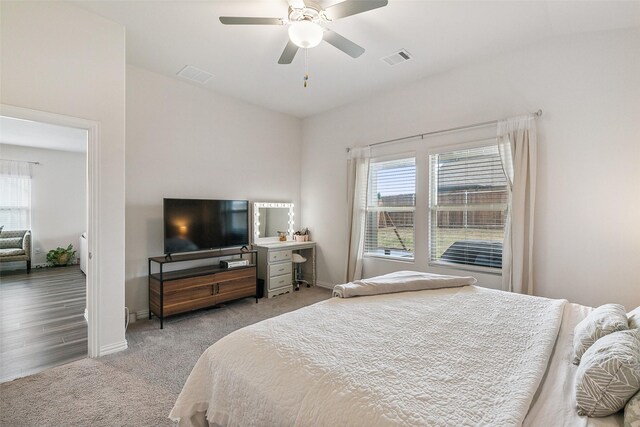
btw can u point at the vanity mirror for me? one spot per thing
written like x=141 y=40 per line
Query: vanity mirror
x=269 y=219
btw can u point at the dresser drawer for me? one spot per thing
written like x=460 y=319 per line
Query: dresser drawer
x=279 y=269
x=188 y=283
x=279 y=282
x=278 y=256
x=189 y=299
x=234 y=289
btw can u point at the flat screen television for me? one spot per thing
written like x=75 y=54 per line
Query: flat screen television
x=198 y=225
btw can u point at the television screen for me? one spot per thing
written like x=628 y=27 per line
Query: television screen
x=197 y=225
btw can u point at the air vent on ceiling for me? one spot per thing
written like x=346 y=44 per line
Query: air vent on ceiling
x=397 y=58
x=195 y=74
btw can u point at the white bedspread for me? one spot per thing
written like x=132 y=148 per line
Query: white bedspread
x=555 y=403
x=400 y=281
x=459 y=356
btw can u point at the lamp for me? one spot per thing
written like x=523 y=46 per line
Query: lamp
x=305 y=33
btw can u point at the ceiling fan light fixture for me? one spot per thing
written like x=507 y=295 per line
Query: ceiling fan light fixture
x=305 y=34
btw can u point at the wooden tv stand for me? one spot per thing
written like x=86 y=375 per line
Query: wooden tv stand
x=180 y=291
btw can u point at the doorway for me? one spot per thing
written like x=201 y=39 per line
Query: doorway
x=79 y=288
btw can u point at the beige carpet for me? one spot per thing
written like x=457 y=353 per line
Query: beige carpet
x=136 y=387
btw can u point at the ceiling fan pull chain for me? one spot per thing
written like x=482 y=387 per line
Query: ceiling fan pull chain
x=306 y=66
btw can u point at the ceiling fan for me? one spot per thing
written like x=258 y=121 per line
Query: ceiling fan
x=306 y=20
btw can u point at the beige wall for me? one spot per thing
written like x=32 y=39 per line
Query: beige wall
x=587 y=238
x=60 y=59
x=187 y=142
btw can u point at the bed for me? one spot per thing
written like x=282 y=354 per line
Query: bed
x=457 y=356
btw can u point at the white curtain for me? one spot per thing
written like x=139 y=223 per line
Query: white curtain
x=517 y=146
x=15 y=195
x=357 y=177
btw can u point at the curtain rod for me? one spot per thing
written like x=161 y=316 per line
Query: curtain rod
x=436 y=132
x=25 y=161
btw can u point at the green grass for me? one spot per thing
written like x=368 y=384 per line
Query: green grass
x=388 y=239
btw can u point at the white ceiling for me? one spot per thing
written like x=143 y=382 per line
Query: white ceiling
x=164 y=36
x=42 y=135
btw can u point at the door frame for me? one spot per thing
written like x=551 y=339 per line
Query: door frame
x=93 y=198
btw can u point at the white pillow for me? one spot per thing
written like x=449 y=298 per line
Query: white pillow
x=609 y=374
x=602 y=321
x=634 y=318
x=632 y=412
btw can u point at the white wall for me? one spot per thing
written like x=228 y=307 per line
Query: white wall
x=60 y=59
x=587 y=238
x=187 y=142
x=58 y=198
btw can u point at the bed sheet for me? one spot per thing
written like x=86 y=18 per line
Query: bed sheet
x=554 y=403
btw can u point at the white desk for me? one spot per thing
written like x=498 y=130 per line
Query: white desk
x=275 y=266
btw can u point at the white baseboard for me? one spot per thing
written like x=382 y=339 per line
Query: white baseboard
x=113 y=348
x=142 y=314
x=325 y=284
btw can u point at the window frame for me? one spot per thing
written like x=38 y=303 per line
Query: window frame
x=367 y=209
x=447 y=148
x=26 y=209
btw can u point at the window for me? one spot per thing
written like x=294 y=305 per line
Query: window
x=390 y=208
x=468 y=201
x=15 y=195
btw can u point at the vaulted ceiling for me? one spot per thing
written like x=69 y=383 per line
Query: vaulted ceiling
x=164 y=36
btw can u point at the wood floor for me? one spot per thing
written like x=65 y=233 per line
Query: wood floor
x=42 y=320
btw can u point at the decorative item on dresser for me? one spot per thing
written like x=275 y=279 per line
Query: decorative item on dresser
x=180 y=291
x=301 y=235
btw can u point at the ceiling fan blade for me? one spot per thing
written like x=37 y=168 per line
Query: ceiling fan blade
x=288 y=54
x=296 y=4
x=352 y=7
x=344 y=44
x=245 y=20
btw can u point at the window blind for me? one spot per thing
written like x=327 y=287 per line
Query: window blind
x=15 y=195
x=390 y=208
x=468 y=202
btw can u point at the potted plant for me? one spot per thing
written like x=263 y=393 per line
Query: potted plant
x=60 y=256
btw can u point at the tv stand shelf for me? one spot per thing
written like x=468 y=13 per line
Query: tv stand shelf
x=193 y=288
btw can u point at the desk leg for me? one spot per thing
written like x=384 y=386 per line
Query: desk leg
x=313 y=264
x=161 y=299
x=161 y=305
x=149 y=289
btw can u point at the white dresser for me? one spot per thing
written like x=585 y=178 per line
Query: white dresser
x=275 y=267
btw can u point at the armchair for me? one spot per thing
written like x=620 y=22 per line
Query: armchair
x=15 y=245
